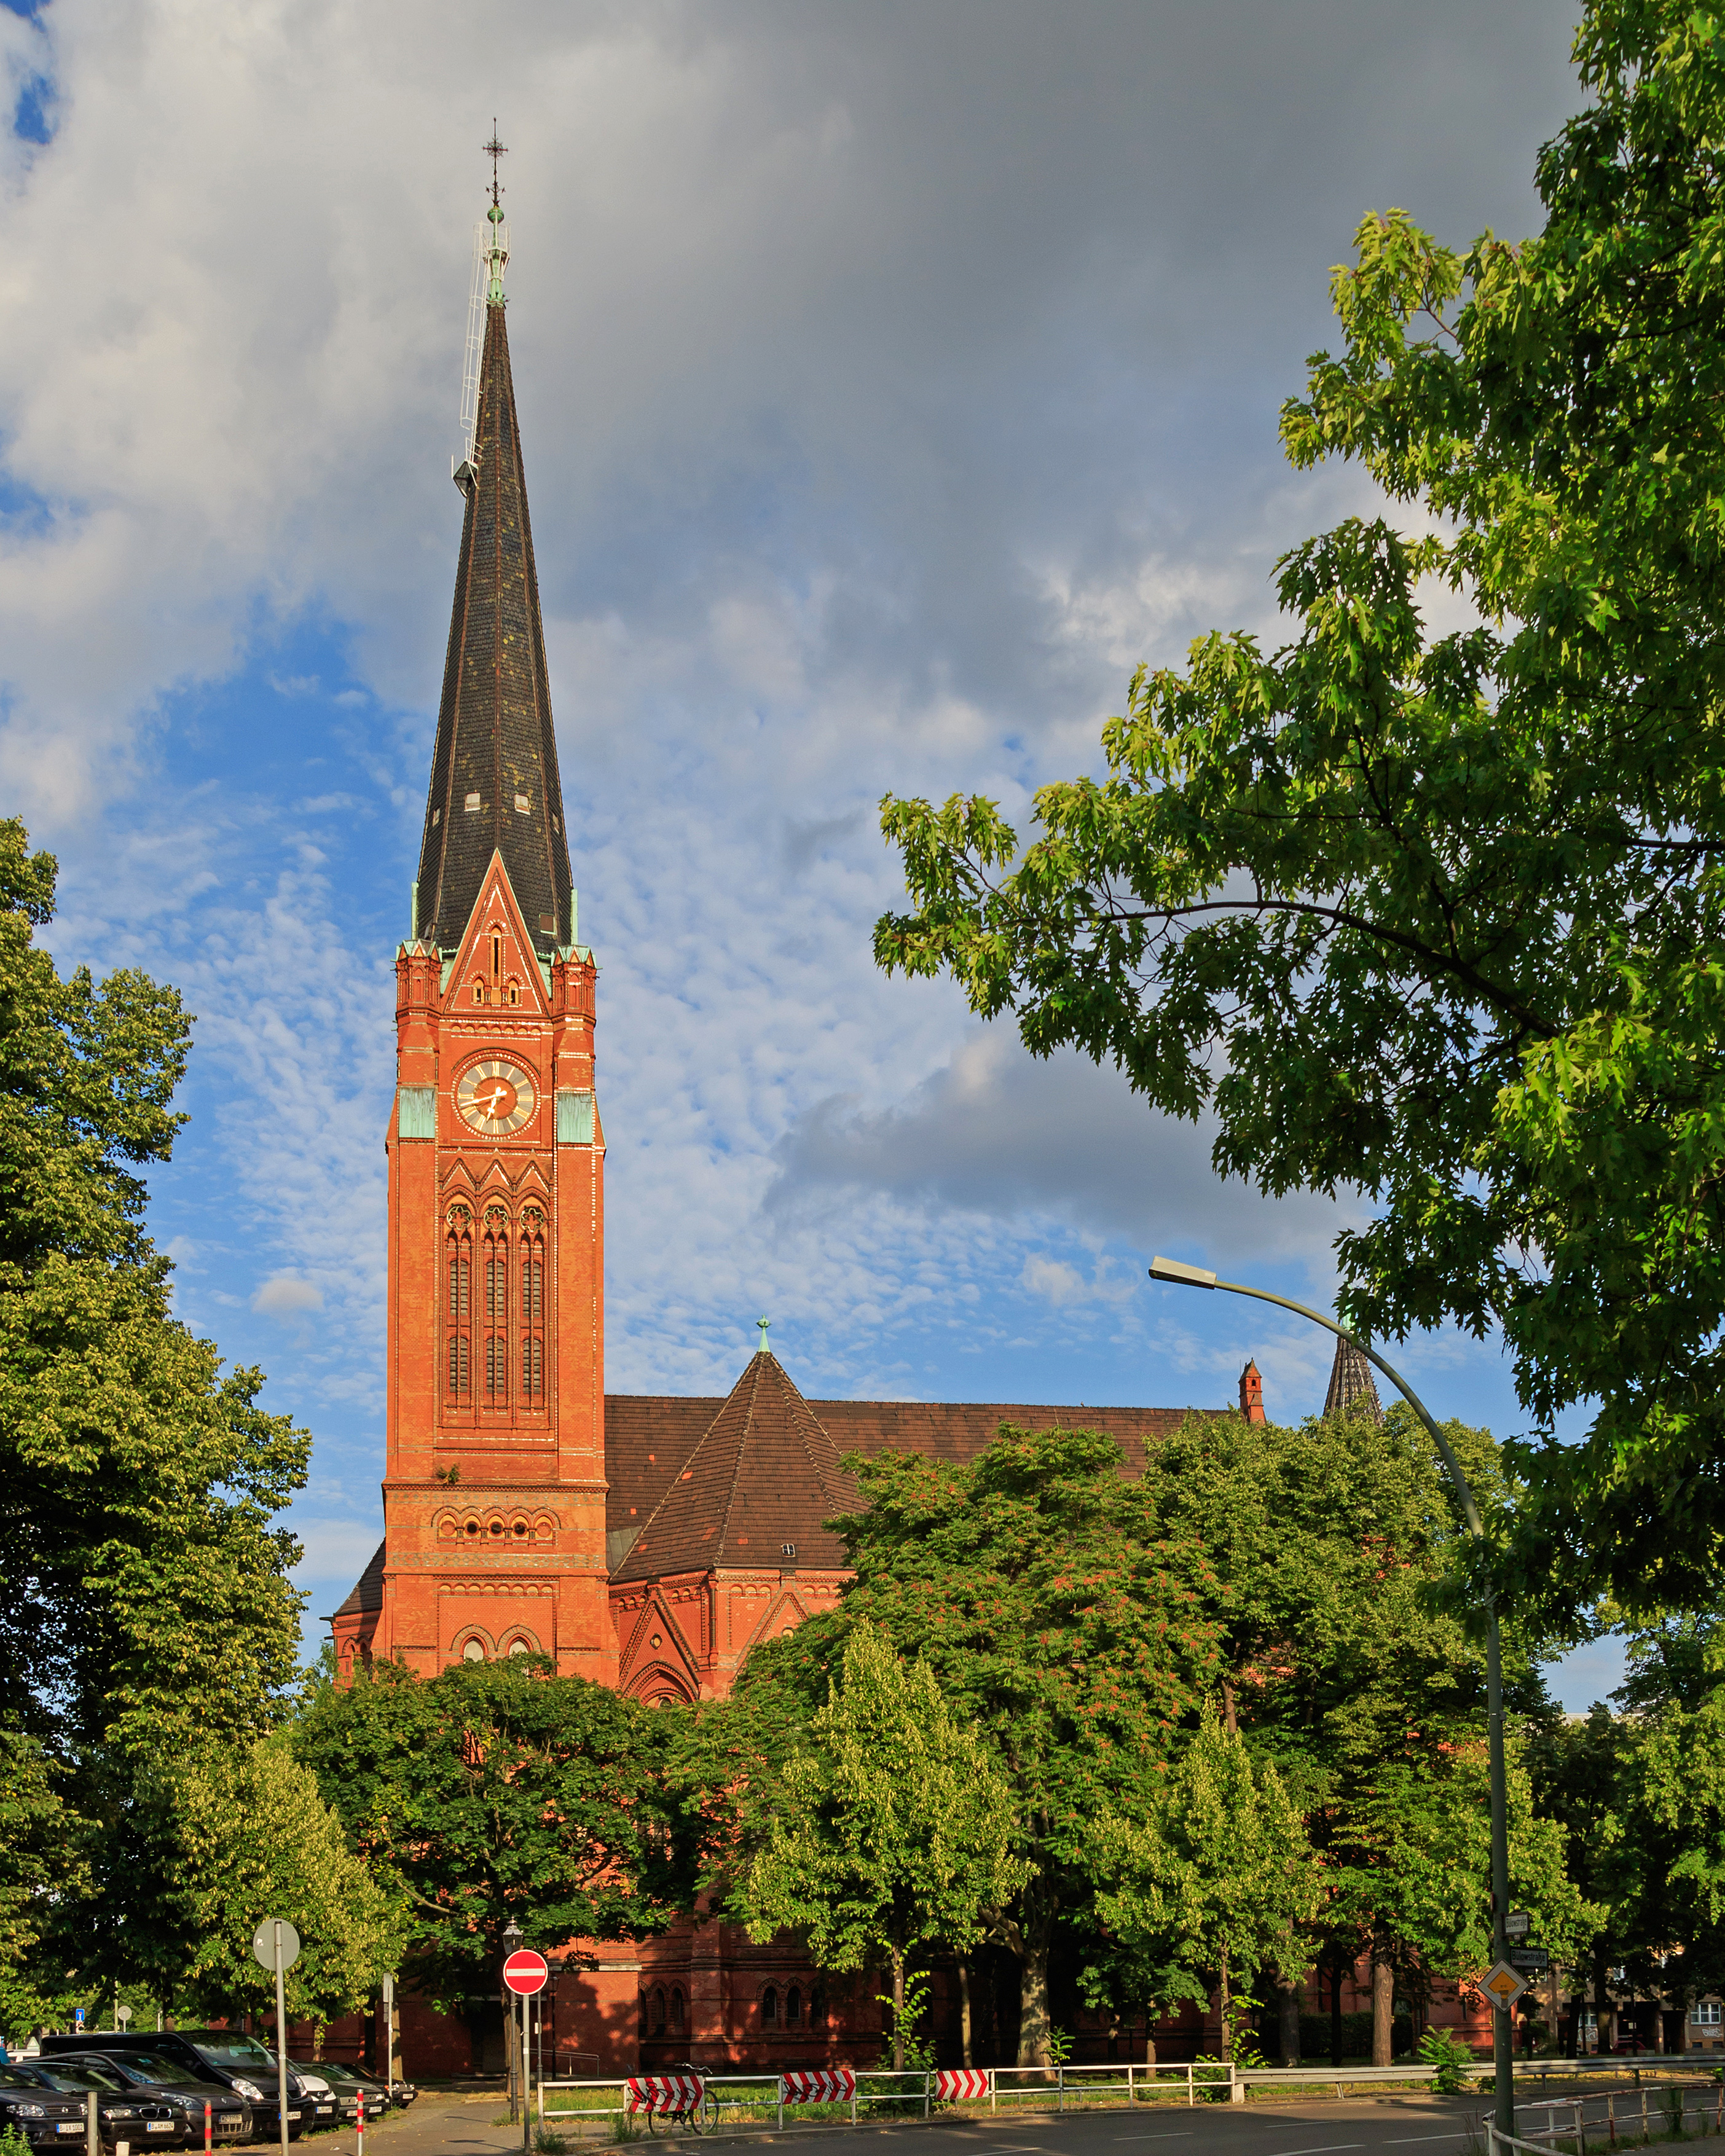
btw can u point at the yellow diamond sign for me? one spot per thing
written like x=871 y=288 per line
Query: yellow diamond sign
x=1501 y=1984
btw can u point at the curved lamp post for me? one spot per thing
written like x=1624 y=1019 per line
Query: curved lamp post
x=1502 y=2034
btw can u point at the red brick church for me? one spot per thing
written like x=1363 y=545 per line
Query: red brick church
x=644 y=1542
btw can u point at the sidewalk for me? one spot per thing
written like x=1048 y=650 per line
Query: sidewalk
x=437 y=2125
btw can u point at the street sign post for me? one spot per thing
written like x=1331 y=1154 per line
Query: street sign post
x=1501 y=1985
x=276 y=1945
x=525 y=1972
x=389 y=2030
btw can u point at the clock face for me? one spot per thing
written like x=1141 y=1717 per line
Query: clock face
x=494 y=1099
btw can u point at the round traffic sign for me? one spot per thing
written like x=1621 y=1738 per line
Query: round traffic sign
x=263 y=1943
x=526 y=1972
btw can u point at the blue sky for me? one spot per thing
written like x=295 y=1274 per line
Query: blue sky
x=893 y=379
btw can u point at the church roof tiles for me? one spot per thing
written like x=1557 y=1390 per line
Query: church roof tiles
x=764 y=1473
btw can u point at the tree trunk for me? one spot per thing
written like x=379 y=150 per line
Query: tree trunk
x=1229 y=1721
x=963 y=2011
x=1028 y=1940
x=1150 y=2034
x=1225 y=2001
x=1383 y=2001
x=1604 y=2014
x=1287 y=2003
x=1335 y=2010
x=1033 y=2023
x=898 y=2009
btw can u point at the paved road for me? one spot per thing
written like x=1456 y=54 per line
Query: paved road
x=1409 y=2125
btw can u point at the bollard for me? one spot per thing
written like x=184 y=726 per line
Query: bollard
x=92 y=2126
x=206 y=2131
x=360 y=2150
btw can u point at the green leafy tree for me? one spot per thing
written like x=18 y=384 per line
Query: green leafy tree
x=498 y=1790
x=147 y=1590
x=213 y=1842
x=1355 y=1666
x=891 y=1831
x=1074 y=1645
x=1210 y=1882
x=1436 y=917
x=1661 y=1769
x=41 y=1869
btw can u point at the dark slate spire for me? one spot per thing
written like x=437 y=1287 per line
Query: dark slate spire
x=1353 y=1390
x=494 y=773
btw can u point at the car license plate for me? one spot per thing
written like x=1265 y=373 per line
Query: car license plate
x=158 y=2126
x=69 y=2126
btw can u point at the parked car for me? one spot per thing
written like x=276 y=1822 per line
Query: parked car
x=43 y=2117
x=221 y=2056
x=314 y=2091
x=347 y=2081
x=122 y=2114
x=318 y=2074
x=170 y=2082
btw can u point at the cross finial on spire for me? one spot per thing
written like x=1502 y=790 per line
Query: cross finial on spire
x=494 y=150
x=763 y=1322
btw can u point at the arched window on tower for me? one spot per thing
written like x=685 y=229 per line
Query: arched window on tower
x=533 y=1307
x=497 y=1292
x=676 y=2020
x=793 y=2007
x=769 y=2007
x=458 y=1312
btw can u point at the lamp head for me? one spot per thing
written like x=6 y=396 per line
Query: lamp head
x=1179 y=1276
x=511 y=1935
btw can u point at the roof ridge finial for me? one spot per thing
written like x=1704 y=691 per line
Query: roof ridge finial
x=763 y=1322
x=497 y=252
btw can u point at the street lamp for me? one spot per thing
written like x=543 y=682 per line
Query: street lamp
x=511 y=1942
x=1503 y=2036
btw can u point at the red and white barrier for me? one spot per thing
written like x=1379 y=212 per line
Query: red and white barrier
x=960 y=2084
x=822 y=2085
x=663 y=2092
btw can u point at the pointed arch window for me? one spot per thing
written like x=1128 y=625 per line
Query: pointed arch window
x=458 y=1254
x=495 y=1260
x=532 y=1303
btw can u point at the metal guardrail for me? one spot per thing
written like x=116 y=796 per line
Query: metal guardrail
x=1623 y=2117
x=1008 y=2087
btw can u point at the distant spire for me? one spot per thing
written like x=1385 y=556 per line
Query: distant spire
x=763 y=1322
x=1352 y=1389
x=1252 y=1394
x=495 y=786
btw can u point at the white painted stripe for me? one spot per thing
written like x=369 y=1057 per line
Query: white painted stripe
x=1325 y=2149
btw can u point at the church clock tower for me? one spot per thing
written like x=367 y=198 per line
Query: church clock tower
x=494 y=1494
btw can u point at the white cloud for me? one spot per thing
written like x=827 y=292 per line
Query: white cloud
x=283 y=1294
x=891 y=383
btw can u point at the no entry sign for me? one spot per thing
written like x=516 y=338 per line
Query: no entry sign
x=526 y=1972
